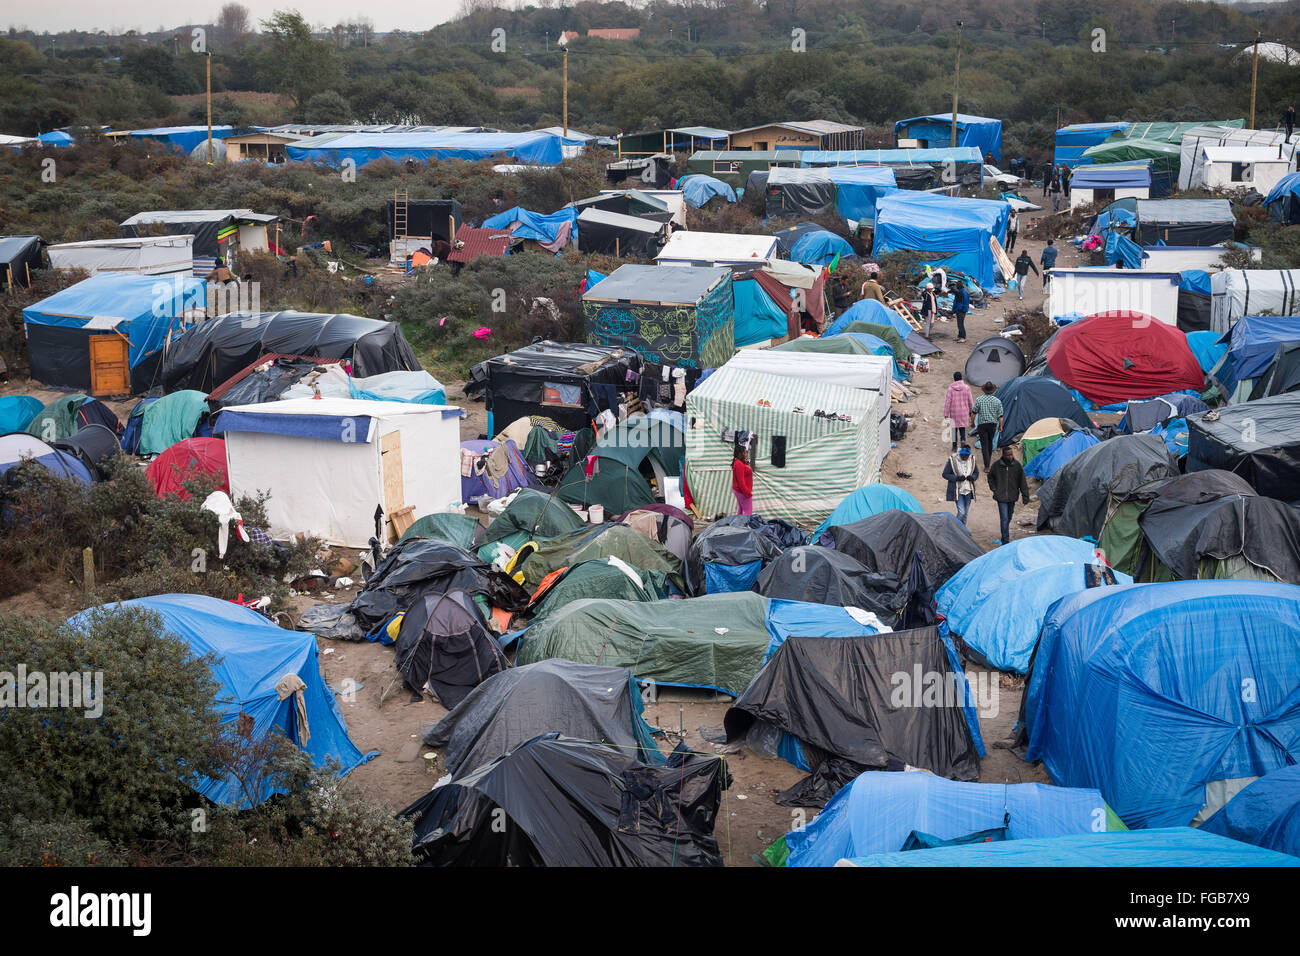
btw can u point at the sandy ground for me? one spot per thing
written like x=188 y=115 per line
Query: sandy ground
x=382 y=716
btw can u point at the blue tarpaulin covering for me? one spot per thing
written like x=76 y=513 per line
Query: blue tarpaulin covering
x=534 y=225
x=1139 y=691
x=1122 y=249
x=1252 y=343
x=149 y=306
x=59 y=138
x=181 y=139
x=698 y=189
x=1195 y=280
x=873 y=311
x=1174 y=846
x=878 y=811
x=341 y=428
x=758 y=316
x=980 y=132
x=541 y=149
x=890 y=157
x=857 y=188
x=253 y=654
x=593 y=277
x=867 y=501
x=1267 y=813
x=728 y=578
x=803 y=619
x=819 y=248
x=1283 y=200
x=17 y=412
x=1132 y=175
x=1071 y=141
x=957 y=229
x=1208 y=347
x=1049 y=461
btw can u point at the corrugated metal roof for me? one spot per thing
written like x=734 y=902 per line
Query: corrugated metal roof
x=473 y=243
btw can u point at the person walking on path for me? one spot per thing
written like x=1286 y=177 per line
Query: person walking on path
x=1288 y=120
x=957 y=408
x=961 y=473
x=742 y=481
x=1047 y=178
x=986 y=418
x=1023 y=264
x=1007 y=482
x=960 y=306
x=929 y=308
x=1054 y=192
x=1013 y=230
x=1048 y=260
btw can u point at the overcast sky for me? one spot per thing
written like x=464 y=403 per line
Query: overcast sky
x=148 y=15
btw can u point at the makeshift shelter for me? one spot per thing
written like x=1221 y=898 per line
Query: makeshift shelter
x=1235 y=293
x=916 y=169
x=1264 y=814
x=816 y=575
x=17 y=412
x=681 y=317
x=690 y=248
x=1244 y=167
x=865 y=502
x=555 y=801
x=1252 y=344
x=1118 y=356
x=1161 y=155
x=766 y=310
x=1191 y=169
x=428 y=145
x=533 y=514
x=445 y=647
x=850 y=192
x=820 y=247
x=1040 y=436
x=803 y=464
x=583 y=701
x=209 y=353
x=1137 y=691
x=414 y=224
x=872 y=312
x=68 y=414
x=728 y=556
x=252 y=659
x=551 y=232
x=613 y=234
x=872 y=373
x=1057 y=453
x=995 y=360
x=610 y=577
x=956 y=231
x=1260 y=441
x=19 y=255
x=1283 y=200
x=331 y=380
x=170 y=419
x=980 y=132
x=699 y=190
x=1194 y=295
x=1076 y=293
x=146 y=255
x=1106 y=182
x=178 y=139
x=644 y=171
x=185 y=461
x=889 y=541
x=615 y=486
x=217 y=232
x=883 y=812
x=715 y=642
x=591 y=543
x=1173 y=847
x=1072 y=140
x=1184 y=222
x=1076 y=501
x=445 y=526
x=664 y=524
x=1032 y=398
x=18 y=448
x=570 y=383
x=496 y=469
x=336 y=468
x=839 y=697
x=627 y=202
x=1282 y=374
x=107 y=334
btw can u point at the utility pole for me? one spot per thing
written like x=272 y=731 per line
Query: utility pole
x=208 y=60
x=956 y=81
x=564 y=42
x=1254 y=76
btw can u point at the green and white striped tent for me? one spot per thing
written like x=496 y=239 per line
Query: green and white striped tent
x=824 y=459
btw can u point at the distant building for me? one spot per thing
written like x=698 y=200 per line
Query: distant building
x=807 y=134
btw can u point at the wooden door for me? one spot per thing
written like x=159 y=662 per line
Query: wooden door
x=390 y=465
x=110 y=367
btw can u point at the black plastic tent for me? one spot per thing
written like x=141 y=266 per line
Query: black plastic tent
x=1260 y=441
x=1076 y=501
x=444 y=646
x=1030 y=398
x=1263 y=531
x=728 y=556
x=1282 y=374
x=889 y=541
x=582 y=701
x=207 y=354
x=822 y=576
x=841 y=697
x=18 y=256
x=614 y=234
x=555 y=801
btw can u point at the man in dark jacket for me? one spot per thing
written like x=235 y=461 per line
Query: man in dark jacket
x=1288 y=120
x=1023 y=264
x=1007 y=482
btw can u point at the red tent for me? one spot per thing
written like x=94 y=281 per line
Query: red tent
x=1123 y=356
x=185 y=461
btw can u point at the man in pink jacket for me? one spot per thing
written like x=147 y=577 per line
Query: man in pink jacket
x=957 y=408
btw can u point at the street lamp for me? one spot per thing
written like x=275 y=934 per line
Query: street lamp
x=563 y=41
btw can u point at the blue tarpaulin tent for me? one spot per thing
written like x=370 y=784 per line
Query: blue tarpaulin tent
x=958 y=230
x=1207 y=346
x=18 y=448
x=541 y=149
x=1267 y=813
x=873 y=311
x=877 y=812
x=143 y=309
x=253 y=654
x=1252 y=343
x=1130 y=175
x=980 y=132
x=698 y=189
x=1283 y=200
x=759 y=317
x=867 y=501
x=58 y=138
x=1071 y=141
x=997 y=602
x=858 y=187
x=890 y=157
x=17 y=412
x=534 y=225
x=1048 y=461
x=181 y=139
x=1149 y=692
x=819 y=248
x=1174 y=846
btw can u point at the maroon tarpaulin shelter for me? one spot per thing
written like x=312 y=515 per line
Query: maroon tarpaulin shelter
x=185 y=461
x=1121 y=356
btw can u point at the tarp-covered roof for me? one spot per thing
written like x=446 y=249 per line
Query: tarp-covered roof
x=958 y=229
x=543 y=149
x=681 y=285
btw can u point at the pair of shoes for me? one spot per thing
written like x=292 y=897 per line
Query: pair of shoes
x=961 y=340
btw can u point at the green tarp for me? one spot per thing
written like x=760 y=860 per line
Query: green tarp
x=633 y=439
x=58 y=419
x=171 y=419
x=887 y=332
x=835 y=345
x=536 y=514
x=716 y=642
x=615 y=487
x=610 y=540
x=445 y=526
x=606 y=578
